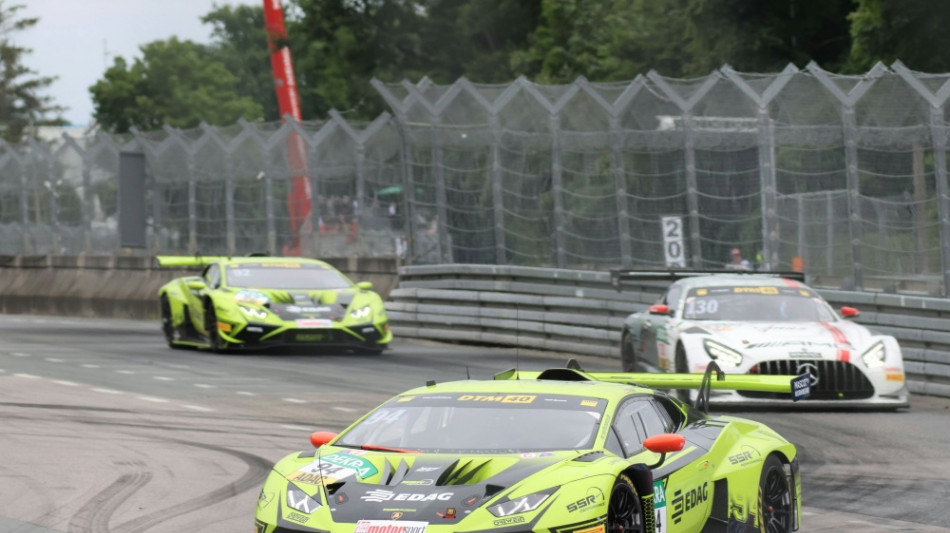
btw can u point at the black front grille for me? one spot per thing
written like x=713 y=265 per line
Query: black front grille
x=837 y=380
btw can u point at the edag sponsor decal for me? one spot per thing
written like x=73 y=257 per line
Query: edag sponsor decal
x=379 y=495
x=390 y=526
x=501 y=398
x=683 y=502
x=362 y=467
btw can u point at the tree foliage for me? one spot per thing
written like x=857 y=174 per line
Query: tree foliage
x=178 y=83
x=914 y=31
x=22 y=102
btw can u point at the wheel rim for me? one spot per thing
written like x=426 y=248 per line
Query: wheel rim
x=623 y=514
x=776 y=503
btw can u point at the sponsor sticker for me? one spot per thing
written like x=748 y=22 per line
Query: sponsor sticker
x=801 y=387
x=362 y=467
x=659 y=506
x=314 y=323
x=390 y=526
x=595 y=529
x=589 y=403
x=506 y=398
x=894 y=376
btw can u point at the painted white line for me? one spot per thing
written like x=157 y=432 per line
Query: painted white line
x=179 y=366
x=153 y=399
x=108 y=391
x=198 y=408
x=245 y=393
x=295 y=428
x=294 y=400
x=163 y=378
x=126 y=372
x=344 y=409
x=54 y=360
x=19 y=354
x=28 y=376
x=67 y=383
x=87 y=365
x=204 y=386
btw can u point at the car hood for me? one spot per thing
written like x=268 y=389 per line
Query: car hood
x=368 y=485
x=303 y=304
x=776 y=340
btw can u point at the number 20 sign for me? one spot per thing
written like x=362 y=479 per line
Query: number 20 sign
x=673 y=241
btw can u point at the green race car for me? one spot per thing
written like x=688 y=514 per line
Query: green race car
x=262 y=302
x=555 y=451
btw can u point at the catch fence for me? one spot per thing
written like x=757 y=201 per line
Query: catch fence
x=843 y=175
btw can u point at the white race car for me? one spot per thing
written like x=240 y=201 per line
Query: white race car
x=760 y=323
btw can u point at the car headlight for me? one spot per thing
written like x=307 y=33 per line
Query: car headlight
x=874 y=356
x=519 y=505
x=361 y=313
x=249 y=296
x=299 y=501
x=721 y=353
x=251 y=312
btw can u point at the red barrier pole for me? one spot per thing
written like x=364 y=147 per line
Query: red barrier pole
x=288 y=103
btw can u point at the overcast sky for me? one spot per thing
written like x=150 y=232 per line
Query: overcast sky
x=76 y=39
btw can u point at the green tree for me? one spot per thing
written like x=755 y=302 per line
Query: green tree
x=21 y=100
x=914 y=31
x=240 y=43
x=179 y=83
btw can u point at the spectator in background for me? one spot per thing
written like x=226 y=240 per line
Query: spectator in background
x=738 y=263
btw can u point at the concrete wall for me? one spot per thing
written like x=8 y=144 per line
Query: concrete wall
x=123 y=286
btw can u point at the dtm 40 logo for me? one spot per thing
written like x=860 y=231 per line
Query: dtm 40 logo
x=685 y=501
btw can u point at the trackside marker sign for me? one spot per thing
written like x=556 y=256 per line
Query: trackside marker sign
x=801 y=387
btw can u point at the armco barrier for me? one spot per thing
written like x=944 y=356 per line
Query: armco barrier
x=580 y=312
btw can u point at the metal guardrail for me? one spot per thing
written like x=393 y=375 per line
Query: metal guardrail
x=580 y=312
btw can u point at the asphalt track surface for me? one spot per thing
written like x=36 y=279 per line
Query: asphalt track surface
x=103 y=429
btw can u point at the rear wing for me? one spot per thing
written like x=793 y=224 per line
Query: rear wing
x=798 y=386
x=617 y=277
x=179 y=261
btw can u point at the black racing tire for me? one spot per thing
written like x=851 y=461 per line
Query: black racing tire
x=628 y=356
x=624 y=511
x=775 y=498
x=215 y=342
x=682 y=368
x=168 y=328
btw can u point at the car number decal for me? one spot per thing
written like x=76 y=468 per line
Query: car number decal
x=659 y=506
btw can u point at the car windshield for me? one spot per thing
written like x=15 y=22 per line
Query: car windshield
x=480 y=423
x=756 y=304
x=284 y=276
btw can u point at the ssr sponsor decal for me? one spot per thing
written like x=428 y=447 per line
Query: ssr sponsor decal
x=390 y=526
x=747 y=456
x=380 y=495
x=593 y=499
x=685 y=501
x=508 y=521
x=297 y=517
x=362 y=467
x=500 y=398
x=659 y=506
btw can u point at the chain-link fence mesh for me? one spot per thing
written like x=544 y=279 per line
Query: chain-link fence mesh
x=843 y=175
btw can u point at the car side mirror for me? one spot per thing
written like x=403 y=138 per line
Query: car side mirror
x=365 y=285
x=663 y=444
x=660 y=309
x=850 y=312
x=196 y=285
x=319 y=438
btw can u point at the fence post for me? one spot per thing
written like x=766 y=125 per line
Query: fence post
x=692 y=188
x=24 y=202
x=498 y=206
x=557 y=187
x=445 y=253
x=830 y=228
x=938 y=137
x=850 y=132
x=229 y=222
x=269 y=210
x=620 y=183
